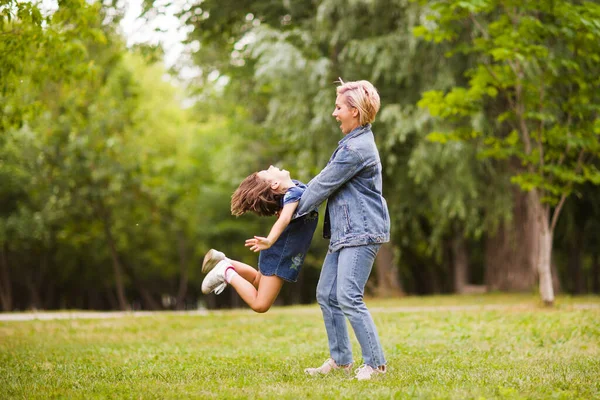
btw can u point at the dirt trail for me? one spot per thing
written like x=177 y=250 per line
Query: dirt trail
x=51 y=315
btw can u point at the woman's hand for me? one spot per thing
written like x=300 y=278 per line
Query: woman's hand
x=258 y=243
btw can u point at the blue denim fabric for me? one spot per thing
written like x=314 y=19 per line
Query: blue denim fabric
x=293 y=194
x=340 y=294
x=285 y=258
x=356 y=213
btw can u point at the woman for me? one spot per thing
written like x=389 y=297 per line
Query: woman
x=357 y=223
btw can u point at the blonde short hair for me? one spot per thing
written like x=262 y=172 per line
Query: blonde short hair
x=363 y=96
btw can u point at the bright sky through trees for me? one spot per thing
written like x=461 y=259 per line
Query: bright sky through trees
x=164 y=29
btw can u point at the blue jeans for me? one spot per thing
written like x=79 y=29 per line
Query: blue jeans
x=340 y=294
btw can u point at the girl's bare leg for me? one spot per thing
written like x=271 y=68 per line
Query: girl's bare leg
x=262 y=299
x=247 y=272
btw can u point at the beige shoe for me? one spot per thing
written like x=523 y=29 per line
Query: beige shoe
x=366 y=372
x=211 y=259
x=215 y=279
x=327 y=367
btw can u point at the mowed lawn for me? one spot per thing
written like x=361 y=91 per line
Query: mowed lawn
x=467 y=347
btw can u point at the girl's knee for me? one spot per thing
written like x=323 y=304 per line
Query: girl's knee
x=261 y=307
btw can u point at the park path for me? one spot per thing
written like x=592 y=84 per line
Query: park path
x=52 y=315
x=49 y=315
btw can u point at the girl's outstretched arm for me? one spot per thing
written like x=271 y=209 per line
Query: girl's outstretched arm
x=259 y=243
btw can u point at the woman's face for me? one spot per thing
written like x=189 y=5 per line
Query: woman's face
x=346 y=115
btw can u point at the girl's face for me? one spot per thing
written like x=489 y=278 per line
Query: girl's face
x=346 y=115
x=274 y=175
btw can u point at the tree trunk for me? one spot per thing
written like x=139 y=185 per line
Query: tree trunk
x=34 y=296
x=511 y=252
x=555 y=278
x=5 y=284
x=235 y=301
x=546 y=289
x=210 y=301
x=33 y=281
x=149 y=302
x=542 y=213
x=575 y=268
x=93 y=299
x=437 y=278
x=596 y=273
x=112 y=299
x=460 y=258
x=37 y=279
x=388 y=282
x=425 y=280
x=49 y=298
x=117 y=269
x=183 y=272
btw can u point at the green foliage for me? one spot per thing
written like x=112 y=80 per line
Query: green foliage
x=97 y=147
x=284 y=61
x=535 y=80
x=100 y=159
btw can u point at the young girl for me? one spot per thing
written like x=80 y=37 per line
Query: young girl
x=267 y=192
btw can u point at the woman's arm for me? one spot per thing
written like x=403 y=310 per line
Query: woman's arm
x=341 y=169
x=259 y=243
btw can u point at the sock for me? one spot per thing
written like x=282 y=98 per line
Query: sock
x=229 y=274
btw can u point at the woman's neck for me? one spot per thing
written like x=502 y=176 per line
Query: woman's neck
x=356 y=125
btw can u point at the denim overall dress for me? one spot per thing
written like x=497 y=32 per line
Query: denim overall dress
x=285 y=258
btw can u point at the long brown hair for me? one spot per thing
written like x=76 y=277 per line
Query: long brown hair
x=255 y=195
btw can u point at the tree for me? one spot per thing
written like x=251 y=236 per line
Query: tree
x=532 y=96
x=577 y=241
x=38 y=53
x=98 y=155
x=284 y=61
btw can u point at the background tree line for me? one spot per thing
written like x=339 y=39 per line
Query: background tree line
x=113 y=187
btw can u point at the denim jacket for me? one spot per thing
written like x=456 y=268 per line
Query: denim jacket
x=356 y=213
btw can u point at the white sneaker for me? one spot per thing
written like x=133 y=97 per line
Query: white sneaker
x=215 y=280
x=327 y=367
x=211 y=259
x=365 y=372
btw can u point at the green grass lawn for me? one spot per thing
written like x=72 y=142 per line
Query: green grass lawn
x=497 y=346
